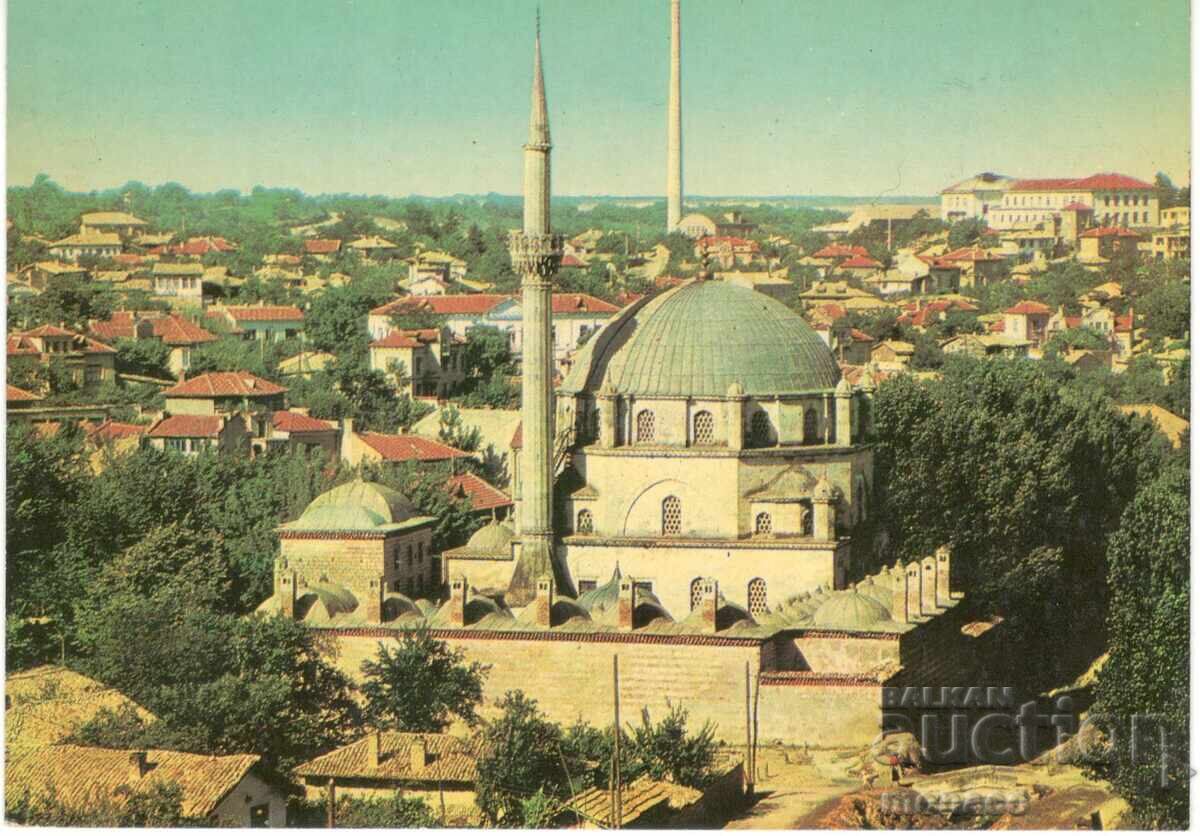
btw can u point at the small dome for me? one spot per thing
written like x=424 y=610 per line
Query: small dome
x=824 y=491
x=494 y=538
x=873 y=588
x=354 y=506
x=851 y=610
x=698 y=339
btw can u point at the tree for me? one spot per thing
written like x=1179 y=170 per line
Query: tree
x=486 y=352
x=966 y=232
x=665 y=750
x=420 y=685
x=452 y=431
x=1166 y=311
x=395 y=811
x=1147 y=671
x=520 y=758
x=145 y=357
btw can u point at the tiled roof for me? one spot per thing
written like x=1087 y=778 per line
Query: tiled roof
x=840 y=251
x=969 y=254
x=102 y=239
x=1124 y=322
x=447 y=759
x=1095 y=182
x=172 y=329
x=860 y=261
x=1045 y=184
x=414 y=338
x=287 y=421
x=113 y=430
x=571 y=261
x=22 y=344
x=483 y=496
x=224 y=384
x=189 y=268
x=1029 y=307
x=187 y=426
x=463 y=303
x=49 y=331
x=264 y=313
x=403 y=448
x=18 y=395
x=111 y=218
x=202 y=246
x=1109 y=232
x=322 y=246
x=637 y=798
x=568 y=303
x=80 y=774
x=373 y=242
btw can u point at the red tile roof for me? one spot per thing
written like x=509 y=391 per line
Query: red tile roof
x=477 y=304
x=1124 y=322
x=1029 y=308
x=1047 y=184
x=23 y=343
x=224 y=384
x=172 y=329
x=1095 y=182
x=969 y=254
x=264 y=313
x=202 y=246
x=18 y=395
x=860 y=261
x=286 y=421
x=408 y=338
x=1109 y=232
x=113 y=430
x=571 y=261
x=861 y=336
x=404 y=448
x=518 y=439
x=49 y=331
x=840 y=251
x=483 y=496
x=447 y=759
x=187 y=426
x=322 y=246
x=568 y=303
x=128 y=258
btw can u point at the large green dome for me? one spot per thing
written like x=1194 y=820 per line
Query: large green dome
x=355 y=506
x=699 y=339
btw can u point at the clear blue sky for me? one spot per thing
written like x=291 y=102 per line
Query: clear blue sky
x=402 y=97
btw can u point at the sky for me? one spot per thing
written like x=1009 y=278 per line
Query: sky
x=780 y=97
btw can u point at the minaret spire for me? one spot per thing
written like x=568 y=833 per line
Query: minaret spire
x=674 y=130
x=536 y=254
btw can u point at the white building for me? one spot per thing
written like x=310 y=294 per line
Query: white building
x=1114 y=199
x=974 y=197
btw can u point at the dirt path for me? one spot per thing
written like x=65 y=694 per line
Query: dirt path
x=788 y=793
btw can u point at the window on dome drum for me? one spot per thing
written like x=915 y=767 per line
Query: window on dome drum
x=810 y=427
x=703 y=428
x=586 y=585
x=645 y=426
x=644 y=586
x=694 y=593
x=762 y=523
x=806 y=518
x=756 y=597
x=583 y=522
x=760 y=429
x=410 y=554
x=672 y=516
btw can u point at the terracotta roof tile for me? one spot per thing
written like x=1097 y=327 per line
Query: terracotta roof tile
x=287 y=421
x=569 y=303
x=1109 y=232
x=80 y=774
x=483 y=496
x=187 y=426
x=264 y=313
x=860 y=261
x=322 y=246
x=840 y=251
x=112 y=430
x=18 y=395
x=224 y=384
x=403 y=448
x=410 y=338
x=448 y=759
x=1029 y=308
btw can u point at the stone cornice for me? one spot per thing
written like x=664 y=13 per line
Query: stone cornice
x=466 y=633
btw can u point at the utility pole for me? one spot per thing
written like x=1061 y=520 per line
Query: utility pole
x=617 y=811
x=330 y=804
x=749 y=741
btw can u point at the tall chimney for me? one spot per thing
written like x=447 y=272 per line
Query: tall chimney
x=709 y=595
x=458 y=601
x=543 y=604
x=137 y=766
x=536 y=255
x=674 y=130
x=418 y=755
x=626 y=604
x=943 y=596
x=374 y=602
x=373 y=748
x=929 y=605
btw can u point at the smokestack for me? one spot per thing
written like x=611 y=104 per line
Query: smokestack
x=674 y=130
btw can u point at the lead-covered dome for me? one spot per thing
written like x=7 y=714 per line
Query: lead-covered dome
x=699 y=339
x=355 y=506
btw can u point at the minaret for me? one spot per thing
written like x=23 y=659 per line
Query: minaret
x=674 y=131
x=536 y=254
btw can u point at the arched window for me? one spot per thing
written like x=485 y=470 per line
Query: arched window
x=703 y=428
x=583 y=522
x=806 y=518
x=810 y=426
x=672 y=516
x=756 y=597
x=694 y=593
x=762 y=523
x=860 y=495
x=760 y=429
x=645 y=426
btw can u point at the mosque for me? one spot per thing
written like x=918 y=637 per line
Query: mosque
x=684 y=502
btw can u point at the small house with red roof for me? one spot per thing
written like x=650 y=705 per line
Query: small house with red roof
x=358 y=447
x=422 y=362
x=89 y=362
x=260 y=321
x=1027 y=320
x=295 y=429
x=859 y=266
x=322 y=249
x=1101 y=243
x=486 y=500
x=975 y=267
x=179 y=333
x=195 y=434
x=229 y=394
x=727 y=250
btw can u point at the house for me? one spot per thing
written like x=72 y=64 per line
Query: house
x=1103 y=242
x=89 y=362
x=111 y=439
x=39 y=275
x=832 y=255
x=923 y=315
x=850 y=345
x=121 y=223
x=1112 y=198
x=1087 y=360
x=197 y=248
x=219 y=789
x=697 y=226
x=976 y=267
x=727 y=250
x=1101 y=294
x=576 y=316
x=987 y=345
x=49 y=703
x=734 y=225
x=426 y=362
x=495 y=427
x=260 y=321
x=322 y=249
x=180 y=334
x=1027 y=321
x=19 y=398
x=180 y=280
x=486 y=500
x=1167 y=422
x=384 y=447
x=295 y=428
x=305 y=363
x=228 y=394
x=436 y=265
x=899 y=281
x=821 y=293
x=101 y=245
x=892 y=354
x=436 y=768
x=194 y=434
x=859 y=266
x=974 y=197
x=428 y=286
x=776 y=285
x=373 y=248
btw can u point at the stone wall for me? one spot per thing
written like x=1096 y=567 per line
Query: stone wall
x=355 y=562
x=818 y=711
x=836 y=652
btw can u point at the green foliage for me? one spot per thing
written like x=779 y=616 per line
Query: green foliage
x=1147 y=670
x=1166 y=311
x=160 y=805
x=665 y=750
x=1061 y=285
x=927 y=354
x=1076 y=338
x=966 y=232
x=145 y=357
x=421 y=685
x=395 y=811
x=67 y=300
x=425 y=486
x=486 y=352
x=452 y=431
x=520 y=759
